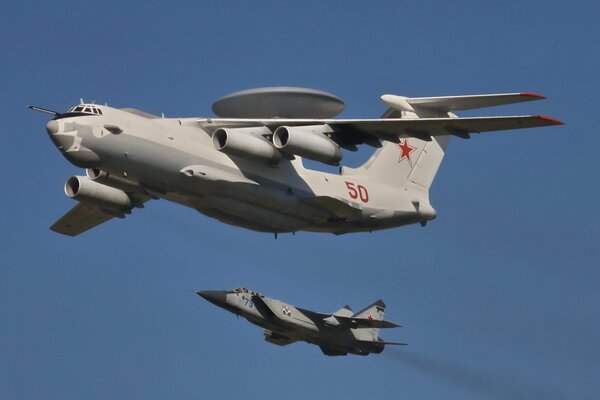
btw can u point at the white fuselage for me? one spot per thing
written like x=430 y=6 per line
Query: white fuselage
x=175 y=159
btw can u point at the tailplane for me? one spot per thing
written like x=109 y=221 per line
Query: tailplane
x=415 y=159
x=375 y=311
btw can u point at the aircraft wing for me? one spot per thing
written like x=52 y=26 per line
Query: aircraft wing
x=383 y=342
x=356 y=131
x=85 y=216
x=357 y=323
x=79 y=219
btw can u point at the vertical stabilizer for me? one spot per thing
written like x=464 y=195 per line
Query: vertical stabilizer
x=375 y=311
x=411 y=160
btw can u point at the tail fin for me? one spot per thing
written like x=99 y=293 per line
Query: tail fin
x=374 y=311
x=411 y=160
x=415 y=160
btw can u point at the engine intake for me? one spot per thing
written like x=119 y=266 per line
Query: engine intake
x=83 y=189
x=111 y=180
x=246 y=143
x=308 y=141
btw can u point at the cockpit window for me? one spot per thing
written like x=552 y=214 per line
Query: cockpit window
x=244 y=290
x=86 y=109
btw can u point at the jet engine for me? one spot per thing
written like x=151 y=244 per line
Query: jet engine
x=83 y=189
x=308 y=141
x=108 y=179
x=246 y=143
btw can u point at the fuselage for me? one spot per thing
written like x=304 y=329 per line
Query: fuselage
x=284 y=323
x=175 y=159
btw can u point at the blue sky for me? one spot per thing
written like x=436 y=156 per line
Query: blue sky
x=498 y=296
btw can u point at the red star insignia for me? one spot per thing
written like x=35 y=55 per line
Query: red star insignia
x=370 y=316
x=405 y=150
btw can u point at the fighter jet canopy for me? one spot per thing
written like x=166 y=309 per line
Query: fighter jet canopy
x=244 y=290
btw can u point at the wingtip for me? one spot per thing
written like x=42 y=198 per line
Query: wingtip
x=534 y=96
x=552 y=121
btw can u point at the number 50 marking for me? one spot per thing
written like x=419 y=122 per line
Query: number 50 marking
x=357 y=191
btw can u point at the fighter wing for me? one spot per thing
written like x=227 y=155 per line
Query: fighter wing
x=357 y=323
x=79 y=219
x=382 y=342
x=348 y=132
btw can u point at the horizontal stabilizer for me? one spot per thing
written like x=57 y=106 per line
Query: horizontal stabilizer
x=457 y=103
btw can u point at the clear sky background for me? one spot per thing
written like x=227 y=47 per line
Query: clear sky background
x=498 y=296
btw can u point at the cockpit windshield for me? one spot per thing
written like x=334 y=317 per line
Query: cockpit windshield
x=244 y=290
x=85 y=109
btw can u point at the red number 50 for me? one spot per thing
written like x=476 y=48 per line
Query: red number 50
x=357 y=191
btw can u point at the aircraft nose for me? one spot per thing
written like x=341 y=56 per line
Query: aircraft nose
x=52 y=127
x=214 y=296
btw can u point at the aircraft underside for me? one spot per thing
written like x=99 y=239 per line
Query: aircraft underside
x=254 y=217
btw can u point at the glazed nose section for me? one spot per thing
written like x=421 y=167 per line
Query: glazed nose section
x=52 y=127
x=216 y=297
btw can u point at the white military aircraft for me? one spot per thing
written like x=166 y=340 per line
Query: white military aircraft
x=245 y=167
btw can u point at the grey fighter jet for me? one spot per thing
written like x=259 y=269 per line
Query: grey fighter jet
x=338 y=334
x=245 y=166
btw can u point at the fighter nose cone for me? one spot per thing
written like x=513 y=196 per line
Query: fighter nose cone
x=52 y=127
x=214 y=296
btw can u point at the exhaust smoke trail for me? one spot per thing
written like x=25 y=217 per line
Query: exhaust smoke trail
x=494 y=387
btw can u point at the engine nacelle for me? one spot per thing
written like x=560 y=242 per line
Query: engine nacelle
x=83 y=189
x=115 y=181
x=308 y=141
x=246 y=143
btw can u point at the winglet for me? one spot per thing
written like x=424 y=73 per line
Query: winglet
x=534 y=95
x=551 y=121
